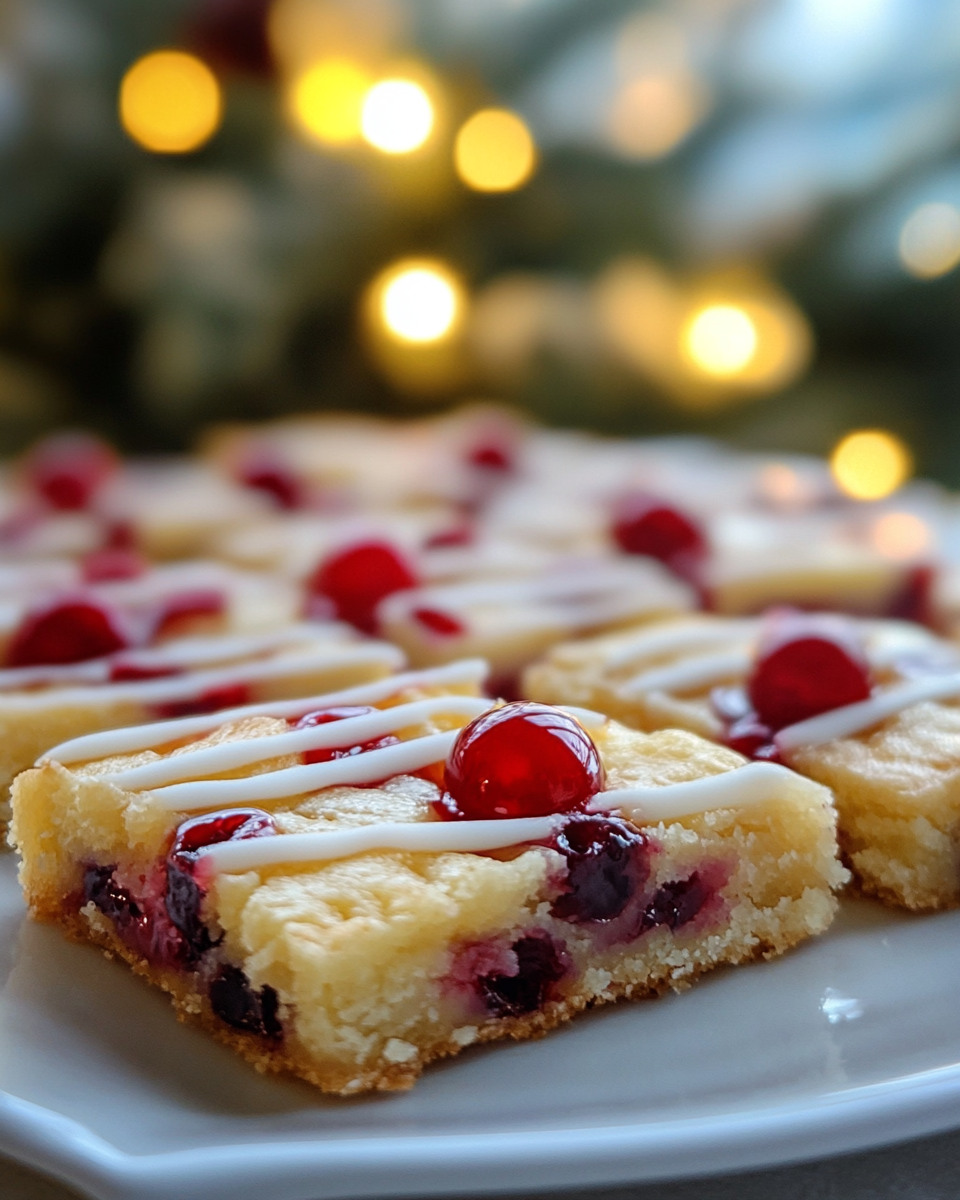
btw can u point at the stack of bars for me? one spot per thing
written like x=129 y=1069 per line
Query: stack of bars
x=369 y=742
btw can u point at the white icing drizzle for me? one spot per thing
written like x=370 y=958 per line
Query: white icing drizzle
x=350 y=731
x=436 y=837
x=855 y=718
x=109 y=742
x=183 y=652
x=361 y=770
x=176 y=688
x=678 y=637
x=750 y=784
x=690 y=673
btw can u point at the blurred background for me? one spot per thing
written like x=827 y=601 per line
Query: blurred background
x=732 y=217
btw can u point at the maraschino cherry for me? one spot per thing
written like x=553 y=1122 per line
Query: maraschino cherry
x=67 y=631
x=806 y=665
x=645 y=524
x=68 y=469
x=521 y=760
x=356 y=578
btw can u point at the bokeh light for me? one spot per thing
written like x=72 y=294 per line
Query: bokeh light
x=170 y=102
x=651 y=115
x=720 y=339
x=419 y=301
x=901 y=535
x=930 y=240
x=494 y=151
x=326 y=100
x=397 y=116
x=869 y=464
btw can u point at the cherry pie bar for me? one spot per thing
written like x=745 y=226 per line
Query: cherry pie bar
x=351 y=886
x=867 y=708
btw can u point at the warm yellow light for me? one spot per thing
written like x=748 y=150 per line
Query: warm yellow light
x=420 y=302
x=901 y=535
x=397 y=116
x=870 y=464
x=494 y=151
x=652 y=114
x=170 y=102
x=326 y=100
x=930 y=240
x=720 y=339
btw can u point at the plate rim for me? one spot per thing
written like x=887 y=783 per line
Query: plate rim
x=852 y=1119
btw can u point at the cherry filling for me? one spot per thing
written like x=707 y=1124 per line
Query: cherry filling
x=607 y=864
x=267 y=474
x=436 y=621
x=677 y=902
x=644 y=524
x=228 y=695
x=521 y=760
x=67 y=631
x=69 y=469
x=491 y=456
x=355 y=580
x=236 y=1003
x=184 y=896
x=456 y=535
x=541 y=962
x=324 y=716
x=130 y=672
x=110 y=563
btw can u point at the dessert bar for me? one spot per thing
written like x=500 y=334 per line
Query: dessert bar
x=351 y=887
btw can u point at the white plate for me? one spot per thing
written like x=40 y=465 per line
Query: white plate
x=852 y=1041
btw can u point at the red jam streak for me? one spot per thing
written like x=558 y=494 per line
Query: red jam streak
x=492 y=456
x=521 y=760
x=324 y=716
x=68 y=631
x=356 y=579
x=437 y=622
x=230 y=695
x=104 y=566
x=131 y=671
x=69 y=469
x=644 y=524
x=456 y=535
x=265 y=473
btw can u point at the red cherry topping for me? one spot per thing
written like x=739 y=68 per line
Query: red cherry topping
x=805 y=666
x=455 y=535
x=441 y=623
x=644 y=524
x=68 y=469
x=130 y=672
x=108 y=564
x=267 y=474
x=491 y=456
x=358 y=577
x=749 y=736
x=522 y=760
x=208 y=830
x=324 y=716
x=229 y=695
x=67 y=631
